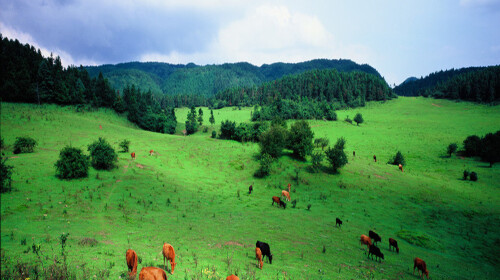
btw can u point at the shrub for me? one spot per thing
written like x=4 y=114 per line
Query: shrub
x=466 y=174
x=321 y=142
x=473 y=176
x=347 y=119
x=5 y=175
x=227 y=130
x=214 y=134
x=124 y=145
x=24 y=145
x=205 y=129
x=398 y=159
x=300 y=139
x=273 y=141
x=472 y=146
x=316 y=159
x=1 y=143
x=490 y=148
x=336 y=155
x=358 y=118
x=265 y=166
x=452 y=148
x=72 y=164
x=102 y=155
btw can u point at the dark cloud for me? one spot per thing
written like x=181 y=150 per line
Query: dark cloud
x=108 y=32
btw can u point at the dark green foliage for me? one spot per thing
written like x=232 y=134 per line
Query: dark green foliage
x=466 y=174
x=452 y=148
x=398 y=159
x=317 y=159
x=72 y=164
x=124 y=144
x=1 y=143
x=273 y=141
x=191 y=122
x=336 y=155
x=200 y=117
x=24 y=145
x=321 y=142
x=227 y=130
x=347 y=119
x=472 y=146
x=300 y=139
x=473 y=176
x=265 y=166
x=358 y=118
x=103 y=156
x=214 y=134
x=490 y=148
x=212 y=119
x=5 y=175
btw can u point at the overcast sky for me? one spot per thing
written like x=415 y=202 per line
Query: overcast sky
x=399 y=38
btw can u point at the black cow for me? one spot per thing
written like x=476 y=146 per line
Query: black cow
x=375 y=237
x=375 y=251
x=250 y=189
x=338 y=222
x=266 y=251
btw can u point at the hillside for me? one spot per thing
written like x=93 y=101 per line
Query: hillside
x=193 y=194
x=210 y=79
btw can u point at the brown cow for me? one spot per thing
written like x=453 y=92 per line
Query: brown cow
x=365 y=240
x=232 y=277
x=286 y=195
x=131 y=257
x=279 y=202
x=169 y=254
x=151 y=152
x=421 y=266
x=152 y=273
x=400 y=167
x=132 y=155
x=258 y=255
x=393 y=243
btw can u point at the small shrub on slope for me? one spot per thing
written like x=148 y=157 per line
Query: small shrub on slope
x=24 y=145
x=5 y=175
x=72 y=164
x=102 y=155
x=398 y=159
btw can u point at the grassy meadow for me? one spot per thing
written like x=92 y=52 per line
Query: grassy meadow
x=193 y=194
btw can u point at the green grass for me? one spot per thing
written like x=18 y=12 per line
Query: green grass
x=193 y=194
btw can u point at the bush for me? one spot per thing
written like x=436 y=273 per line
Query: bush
x=124 y=145
x=452 y=148
x=1 y=143
x=265 y=166
x=227 y=130
x=347 y=119
x=214 y=134
x=336 y=155
x=72 y=164
x=5 y=175
x=205 y=129
x=473 y=176
x=316 y=159
x=321 y=142
x=358 y=118
x=398 y=159
x=273 y=141
x=24 y=145
x=103 y=156
x=466 y=174
x=472 y=146
x=300 y=139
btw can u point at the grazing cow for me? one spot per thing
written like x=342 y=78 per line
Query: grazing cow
x=375 y=158
x=232 y=277
x=151 y=152
x=152 y=273
x=279 y=202
x=286 y=195
x=421 y=266
x=131 y=257
x=169 y=254
x=400 y=167
x=393 y=243
x=376 y=238
x=266 y=250
x=132 y=155
x=353 y=153
x=365 y=240
x=258 y=255
x=250 y=189
x=338 y=222
x=375 y=251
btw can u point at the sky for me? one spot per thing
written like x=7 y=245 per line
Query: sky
x=399 y=38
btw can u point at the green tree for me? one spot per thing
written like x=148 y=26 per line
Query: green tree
x=24 y=145
x=5 y=175
x=472 y=146
x=212 y=119
x=336 y=155
x=191 y=123
x=490 y=151
x=200 y=117
x=273 y=141
x=452 y=148
x=266 y=161
x=317 y=159
x=321 y=142
x=103 y=156
x=300 y=139
x=398 y=159
x=227 y=130
x=124 y=144
x=72 y=164
x=358 y=118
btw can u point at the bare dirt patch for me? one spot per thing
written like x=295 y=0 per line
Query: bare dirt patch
x=434 y=104
x=380 y=177
x=139 y=165
x=233 y=243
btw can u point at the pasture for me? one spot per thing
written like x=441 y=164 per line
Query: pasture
x=193 y=194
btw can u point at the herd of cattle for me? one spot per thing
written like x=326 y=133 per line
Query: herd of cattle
x=263 y=249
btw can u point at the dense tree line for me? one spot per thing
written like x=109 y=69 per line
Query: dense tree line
x=487 y=147
x=26 y=76
x=477 y=84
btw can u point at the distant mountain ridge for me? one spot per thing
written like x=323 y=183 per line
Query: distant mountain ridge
x=209 y=79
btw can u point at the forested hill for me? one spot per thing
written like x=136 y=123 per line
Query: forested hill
x=427 y=86
x=208 y=80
